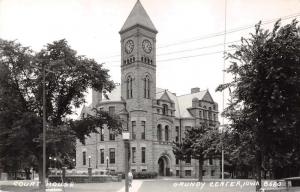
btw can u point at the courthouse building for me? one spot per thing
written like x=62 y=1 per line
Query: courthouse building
x=155 y=117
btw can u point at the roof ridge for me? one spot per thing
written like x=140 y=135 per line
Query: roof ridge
x=192 y=93
x=160 y=91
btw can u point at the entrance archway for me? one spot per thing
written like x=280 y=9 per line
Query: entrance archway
x=163 y=166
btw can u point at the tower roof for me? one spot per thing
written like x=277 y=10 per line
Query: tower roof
x=138 y=16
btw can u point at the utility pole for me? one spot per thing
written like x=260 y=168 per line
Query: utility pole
x=223 y=94
x=126 y=138
x=43 y=182
x=44 y=129
x=180 y=161
x=126 y=145
x=97 y=150
x=222 y=158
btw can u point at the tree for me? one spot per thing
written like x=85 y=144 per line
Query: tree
x=95 y=123
x=239 y=158
x=21 y=99
x=265 y=97
x=180 y=153
x=199 y=143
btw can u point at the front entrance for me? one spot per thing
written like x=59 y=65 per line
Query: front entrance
x=163 y=166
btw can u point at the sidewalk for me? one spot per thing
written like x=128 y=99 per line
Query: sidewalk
x=136 y=184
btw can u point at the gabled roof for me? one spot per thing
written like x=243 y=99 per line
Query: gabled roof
x=159 y=92
x=182 y=102
x=138 y=16
x=114 y=95
x=207 y=97
x=185 y=102
x=163 y=95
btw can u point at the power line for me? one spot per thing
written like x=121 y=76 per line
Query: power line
x=184 y=57
x=214 y=45
x=230 y=31
x=219 y=33
x=191 y=56
x=186 y=50
x=198 y=48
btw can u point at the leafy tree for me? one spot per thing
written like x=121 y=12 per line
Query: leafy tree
x=180 y=153
x=238 y=156
x=95 y=122
x=265 y=97
x=21 y=100
x=198 y=143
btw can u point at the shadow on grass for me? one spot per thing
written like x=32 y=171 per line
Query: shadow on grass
x=8 y=188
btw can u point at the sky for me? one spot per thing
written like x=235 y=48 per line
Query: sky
x=189 y=40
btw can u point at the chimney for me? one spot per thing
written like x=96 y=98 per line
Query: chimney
x=195 y=90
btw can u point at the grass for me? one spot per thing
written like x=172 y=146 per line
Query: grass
x=155 y=185
x=178 y=185
x=191 y=186
x=80 y=187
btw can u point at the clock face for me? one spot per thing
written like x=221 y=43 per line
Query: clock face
x=129 y=45
x=147 y=46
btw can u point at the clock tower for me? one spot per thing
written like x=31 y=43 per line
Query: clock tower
x=138 y=60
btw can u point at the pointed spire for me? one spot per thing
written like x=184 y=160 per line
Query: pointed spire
x=138 y=16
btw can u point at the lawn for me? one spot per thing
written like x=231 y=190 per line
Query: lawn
x=206 y=186
x=82 y=187
x=155 y=185
x=191 y=186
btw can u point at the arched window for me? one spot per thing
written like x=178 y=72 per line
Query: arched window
x=204 y=113
x=159 y=132
x=129 y=87
x=83 y=158
x=165 y=109
x=147 y=87
x=166 y=133
x=209 y=113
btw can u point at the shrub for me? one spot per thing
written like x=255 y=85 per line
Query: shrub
x=144 y=175
x=227 y=175
x=119 y=173
x=138 y=175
